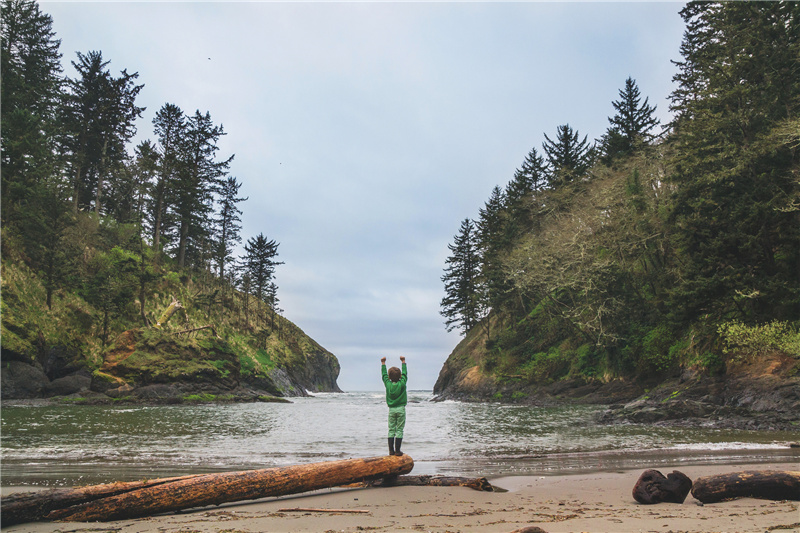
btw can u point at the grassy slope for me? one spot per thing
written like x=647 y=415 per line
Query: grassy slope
x=71 y=330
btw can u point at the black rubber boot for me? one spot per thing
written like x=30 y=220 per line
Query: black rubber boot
x=397 y=442
x=391 y=445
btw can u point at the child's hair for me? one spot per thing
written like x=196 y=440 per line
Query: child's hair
x=394 y=374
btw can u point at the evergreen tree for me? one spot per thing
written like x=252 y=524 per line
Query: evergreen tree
x=111 y=285
x=738 y=85
x=462 y=305
x=492 y=239
x=568 y=157
x=519 y=194
x=530 y=177
x=169 y=126
x=631 y=126
x=99 y=115
x=228 y=223
x=259 y=264
x=30 y=69
x=199 y=175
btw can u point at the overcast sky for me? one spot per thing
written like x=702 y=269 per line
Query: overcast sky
x=364 y=133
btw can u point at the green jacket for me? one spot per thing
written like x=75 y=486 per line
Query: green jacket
x=395 y=392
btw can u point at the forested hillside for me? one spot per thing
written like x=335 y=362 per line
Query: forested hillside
x=659 y=250
x=100 y=238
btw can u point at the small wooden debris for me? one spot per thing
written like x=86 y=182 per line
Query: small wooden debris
x=316 y=510
x=478 y=483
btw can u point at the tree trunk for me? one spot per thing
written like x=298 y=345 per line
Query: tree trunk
x=653 y=487
x=183 y=237
x=157 y=224
x=171 y=310
x=764 y=484
x=214 y=489
x=22 y=507
x=99 y=193
x=478 y=483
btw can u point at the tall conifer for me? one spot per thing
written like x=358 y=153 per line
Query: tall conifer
x=568 y=156
x=462 y=304
x=632 y=125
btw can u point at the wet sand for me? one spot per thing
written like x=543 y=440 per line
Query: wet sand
x=596 y=503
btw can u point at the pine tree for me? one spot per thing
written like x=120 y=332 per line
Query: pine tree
x=30 y=71
x=492 y=238
x=463 y=304
x=738 y=86
x=199 y=175
x=519 y=195
x=169 y=126
x=228 y=223
x=259 y=264
x=631 y=126
x=98 y=114
x=568 y=157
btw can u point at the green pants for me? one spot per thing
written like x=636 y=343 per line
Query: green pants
x=397 y=421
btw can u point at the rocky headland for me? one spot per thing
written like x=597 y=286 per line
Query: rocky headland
x=155 y=367
x=754 y=395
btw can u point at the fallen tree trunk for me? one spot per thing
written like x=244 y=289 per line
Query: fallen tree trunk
x=479 y=483
x=213 y=489
x=22 y=507
x=171 y=309
x=763 y=484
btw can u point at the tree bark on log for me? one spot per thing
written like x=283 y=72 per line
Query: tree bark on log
x=479 y=483
x=171 y=309
x=653 y=487
x=214 y=489
x=763 y=484
x=21 y=507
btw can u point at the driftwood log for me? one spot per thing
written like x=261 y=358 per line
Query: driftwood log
x=478 y=483
x=763 y=484
x=22 y=507
x=213 y=489
x=653 y=487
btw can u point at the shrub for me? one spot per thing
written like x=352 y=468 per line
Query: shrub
x=544 y=366
x=751 y=342
x=657 y=355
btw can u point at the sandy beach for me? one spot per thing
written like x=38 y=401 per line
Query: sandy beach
x=598 y=502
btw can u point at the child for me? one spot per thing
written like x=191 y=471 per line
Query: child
x=396 y=399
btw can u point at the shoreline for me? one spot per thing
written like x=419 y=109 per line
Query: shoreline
x=40 y=476
x=597 y=502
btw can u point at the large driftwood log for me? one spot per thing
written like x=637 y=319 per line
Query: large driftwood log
x=763 y=484
x=478 y=483
x=214 y=489
x=653 y=487
x=21 y=507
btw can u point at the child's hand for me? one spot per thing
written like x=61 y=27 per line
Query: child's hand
x=383 y=360
x=402 y=359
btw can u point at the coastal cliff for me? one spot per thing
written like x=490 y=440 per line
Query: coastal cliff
x=738 y=389
x=56 y=353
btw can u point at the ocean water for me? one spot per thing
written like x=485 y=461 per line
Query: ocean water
x=68 y=445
